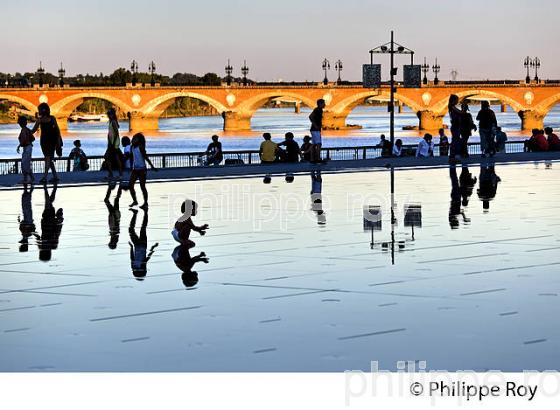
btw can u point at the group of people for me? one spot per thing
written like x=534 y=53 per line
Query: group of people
x=542 y=140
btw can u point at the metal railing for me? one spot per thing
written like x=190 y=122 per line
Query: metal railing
x=247 y=157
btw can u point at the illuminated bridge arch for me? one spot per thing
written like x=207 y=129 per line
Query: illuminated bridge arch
x=158 y=105
x=21 y=101
x=64 y=107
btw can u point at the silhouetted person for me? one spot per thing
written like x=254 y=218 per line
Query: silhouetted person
x=51 y=140
x=26 y=223
x=184 y=225
x=114 y=214
x=306 y=149
x=113 y=154
x=268 y=149
x=79 y=157
x=486 y=125
x=488 y=185
x=185 y=262
x=552 y=139
x=139 y=169
x=455 y=114
x=214 y=152
x=443 y=143
x=501 y=139
x=317 y=197
x=316 y=118
x=467 y=127
x=292 y=150
x=385 y=145
x=25 y=141
x=127 y=156
x=139 y=255
x=51 y=226
x=537 y=142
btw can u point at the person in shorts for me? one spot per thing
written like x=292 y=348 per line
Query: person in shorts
x=25 y=139
x=316 y=118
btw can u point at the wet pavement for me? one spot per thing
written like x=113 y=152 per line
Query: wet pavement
x=289 y=276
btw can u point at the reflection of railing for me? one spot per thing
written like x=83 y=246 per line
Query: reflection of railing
x=193 y=159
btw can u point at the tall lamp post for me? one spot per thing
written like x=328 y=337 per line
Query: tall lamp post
x=245 y=71
x=436 y=68
x=338 y=67
x=229 y=70
x=61 y=74
x=134 y=69
x=528 y=63
x=152 y=70
x=326 y=65
x=7 y=83
x=40 y=73
x=537 y=65
x=425 y=68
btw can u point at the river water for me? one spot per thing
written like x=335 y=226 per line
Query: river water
x=193 y=133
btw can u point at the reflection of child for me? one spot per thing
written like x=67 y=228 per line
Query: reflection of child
x=185 y=225
x=185 y=262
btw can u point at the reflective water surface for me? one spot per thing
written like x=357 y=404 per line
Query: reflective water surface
x=302 y=276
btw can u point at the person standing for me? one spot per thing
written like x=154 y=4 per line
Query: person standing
x=467 y=127
x=455 y=114
x=113 y=155
x=443 y=143
x=139 y=169
x=316 y=118
x=25 y=139
x=51 y=140
x=486 y=125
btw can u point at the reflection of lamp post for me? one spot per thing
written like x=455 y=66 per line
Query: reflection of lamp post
x=326 y=65
x=61 y=74
x=537 y=65
x=134 y=69
x=244 y=71
x=425 y=68
x=436 y=68
x=40 y=73
x=152 y=70
x=229 y=70
x=528 y=63
x=338 y=67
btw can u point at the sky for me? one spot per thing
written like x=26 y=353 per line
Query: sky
x=283 y=39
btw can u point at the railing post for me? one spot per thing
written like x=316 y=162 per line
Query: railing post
x=364 y=153
x=68 y=165
x=163 y=161
x=250 y=158
x=16 y=167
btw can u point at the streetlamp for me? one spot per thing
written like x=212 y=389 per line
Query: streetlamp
x=537 y=65
x=436 y=68
x=40 y=73
x=134 y=69
x=528 y=63
x=7 y=83
x=338 y=67
x=229 y=70
x=425 y=68
x=152 y=70
x=244 y=71
x=61 y=74
x=326 y=66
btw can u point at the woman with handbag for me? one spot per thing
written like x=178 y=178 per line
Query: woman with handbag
x=51 y=140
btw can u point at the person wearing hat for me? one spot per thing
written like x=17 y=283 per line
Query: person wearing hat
x=79 y=157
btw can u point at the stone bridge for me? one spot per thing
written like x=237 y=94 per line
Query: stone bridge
x=237 y=104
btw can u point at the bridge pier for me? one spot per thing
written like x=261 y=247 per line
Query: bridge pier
x=62 y=123
x=503 y=107
x=234 y=121
x=140 y=123
x=334 y=121
x=429 y=120
x=531 y=119
x=297 y=109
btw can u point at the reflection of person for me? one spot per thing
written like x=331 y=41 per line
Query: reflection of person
x=455 y=205
x=184 y=225
x=488 y=184
x=51 y=226
x=114 y=218
x=26 y=224
x=317 y=197
x=139 y=255
x=316 y=118
x=466 y=184
x=501 y=138
x=185 y=262
x=51 y=140
x=214 y=153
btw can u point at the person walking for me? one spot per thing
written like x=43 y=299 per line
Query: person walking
x=51 y=140
x=455 y=114
x=467 y=127
x=139 y=169
x=487 y=125
x=316 y=118
x=113 y=155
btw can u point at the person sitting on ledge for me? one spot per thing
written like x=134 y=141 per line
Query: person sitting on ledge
x=537 y=142
x=443 y=143
x=385 y=146
x=306 y=149
x=425 y=147
x=553 y=140
x=501 y=138
x=268 y=149
x=397 y=149
x=291 y=153
x=214 y=151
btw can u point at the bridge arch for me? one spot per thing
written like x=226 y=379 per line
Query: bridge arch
x=158 y=105
x=21 y=101
x=63 y=108
x=252 y=104
x=349 y=103
x=546 y=105
x=440 y=106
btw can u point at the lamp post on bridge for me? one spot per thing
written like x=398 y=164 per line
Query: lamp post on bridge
x=436 y=68
x=244 y=71
x=134 y=69
x=326 y=65
x=229 y=70
x=537 y=65
x=61 y=74
x=338 y=67
x=152 y=70
x=425 y=68
x=528 y=63
x=40 y=73
x=7 y=83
